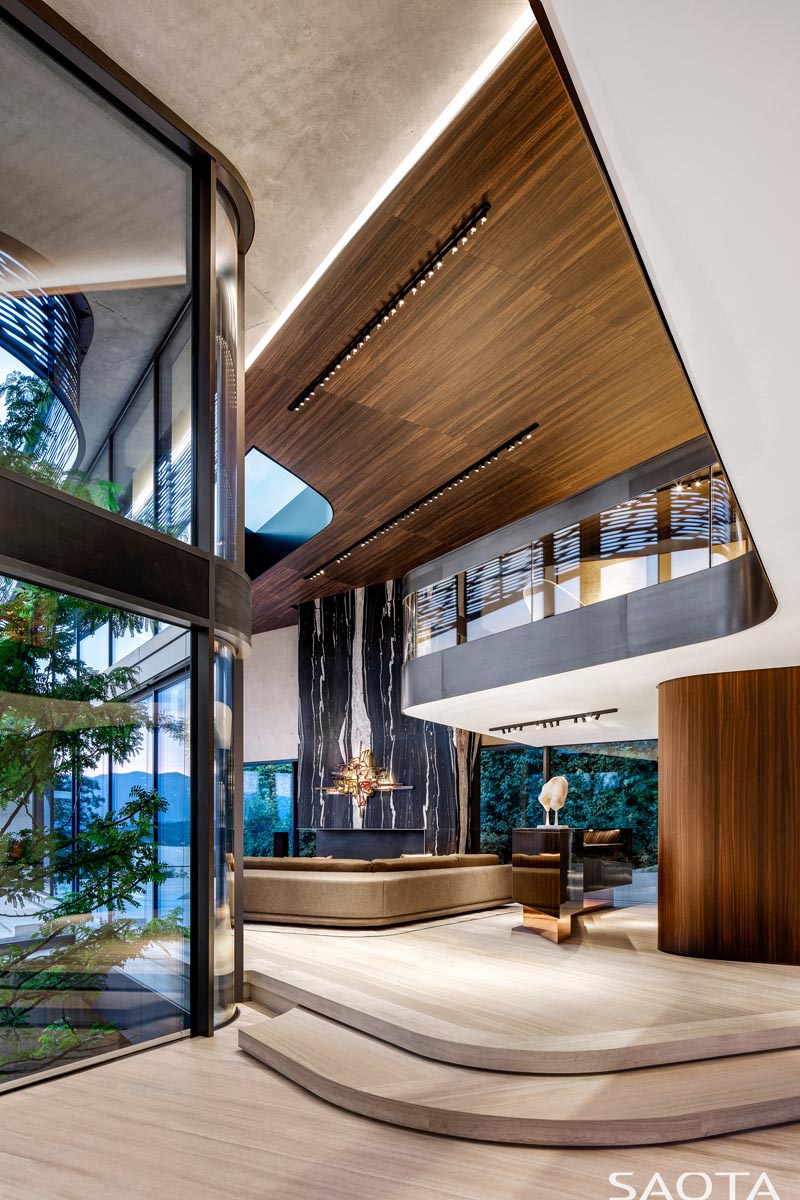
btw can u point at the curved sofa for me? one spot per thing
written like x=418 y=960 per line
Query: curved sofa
x=360 y=893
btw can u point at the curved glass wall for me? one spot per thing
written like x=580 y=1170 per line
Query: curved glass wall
x=94 y=848
x=689 y=525
x=224 y=798
x=95 y=284
x=115 y=292
x=226 y=402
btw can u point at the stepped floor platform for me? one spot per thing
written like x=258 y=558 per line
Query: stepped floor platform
x=475 y=991
x=471 y=1028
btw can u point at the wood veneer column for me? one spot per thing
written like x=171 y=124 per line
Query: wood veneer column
x=729 y=816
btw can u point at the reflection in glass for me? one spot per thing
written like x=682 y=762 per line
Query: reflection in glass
x=80 y=868
x=436 y=617
x=226 y=404
x=94 y=252
x=132 y=460
x=268 y=803
x=511 y=779
x=224 y=783
x=499 y=593
x=175 y=466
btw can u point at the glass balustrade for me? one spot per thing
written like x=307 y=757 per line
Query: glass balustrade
x=689 y=525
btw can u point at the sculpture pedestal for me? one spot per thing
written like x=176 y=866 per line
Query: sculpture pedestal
x=551 y=883
x=556 y=928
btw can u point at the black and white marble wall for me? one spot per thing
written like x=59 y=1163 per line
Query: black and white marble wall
x=350 y=659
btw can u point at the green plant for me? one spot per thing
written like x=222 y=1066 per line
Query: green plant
x=26 y=442
x=83 y=871
x=609 y=786
x=264 y=814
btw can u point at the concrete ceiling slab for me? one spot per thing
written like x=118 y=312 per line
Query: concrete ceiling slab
x=316 y=104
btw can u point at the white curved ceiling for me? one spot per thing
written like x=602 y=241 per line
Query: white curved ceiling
x=694 y=107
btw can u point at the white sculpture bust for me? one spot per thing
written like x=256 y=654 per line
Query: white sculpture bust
x=553 y=796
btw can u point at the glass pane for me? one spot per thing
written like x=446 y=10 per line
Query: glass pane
x=129 y=637
x=511 y=779
x=174 y=500
x=562 y=574
x=80 y=955
x=619 y=552
x=224 y=783
x=132 y=457
x=499 y=593
x=684 y=527
x=94 y=647
x=613 y=785
x=268 y=807
x=136 y=772
x=436 y=617
x=174 y=823
x=227 y=388
x=94 y=272
x=729 y=536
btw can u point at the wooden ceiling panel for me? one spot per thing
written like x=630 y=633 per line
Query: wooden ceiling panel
x=543 y=316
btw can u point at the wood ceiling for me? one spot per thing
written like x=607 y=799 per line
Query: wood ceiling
x=544 y=316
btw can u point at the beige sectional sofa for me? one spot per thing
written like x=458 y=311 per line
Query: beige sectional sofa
x=357 y=892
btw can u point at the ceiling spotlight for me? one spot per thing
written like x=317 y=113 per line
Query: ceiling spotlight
x=424 y=501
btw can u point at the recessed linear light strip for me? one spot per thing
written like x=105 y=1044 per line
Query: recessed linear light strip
x=481 y=465
x=594 y=714
x=417 y=281
x=524 y=22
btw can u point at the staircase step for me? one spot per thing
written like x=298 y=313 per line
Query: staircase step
x=639 y=1107
x=543 y=1052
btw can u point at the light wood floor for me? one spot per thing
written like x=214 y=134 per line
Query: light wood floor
x=477 y=986
x=201 y=1121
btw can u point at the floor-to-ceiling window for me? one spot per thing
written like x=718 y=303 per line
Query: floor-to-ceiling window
x=269 y=807
x=611 y=785
x=119 y=781
x=94 y=937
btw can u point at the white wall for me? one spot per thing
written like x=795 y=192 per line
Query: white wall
x=271 y=697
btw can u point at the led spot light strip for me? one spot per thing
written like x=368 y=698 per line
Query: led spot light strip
x=389 y=310
x=594 y=714
x=481 y=465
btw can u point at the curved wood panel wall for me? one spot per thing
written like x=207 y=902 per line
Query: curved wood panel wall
x=729 y=816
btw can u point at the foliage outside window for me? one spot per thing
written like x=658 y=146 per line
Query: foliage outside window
x=79 y=867
x=612 y=785
x=268 y=806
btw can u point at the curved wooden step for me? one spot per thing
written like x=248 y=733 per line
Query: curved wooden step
x=541 y=1053
x=643 y=1107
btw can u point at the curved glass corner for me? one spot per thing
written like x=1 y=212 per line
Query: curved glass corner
x=95 y=288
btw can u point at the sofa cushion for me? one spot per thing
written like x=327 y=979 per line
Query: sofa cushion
x=338 y=895
x=307 y=864
x=478 y=860
x=427 y=892
x=435 y=862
